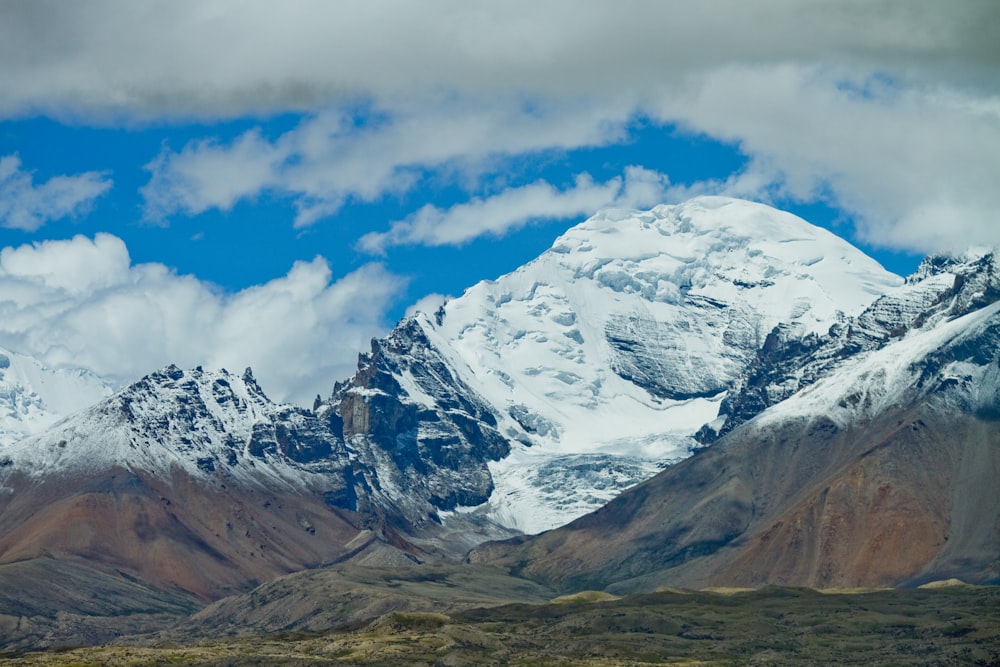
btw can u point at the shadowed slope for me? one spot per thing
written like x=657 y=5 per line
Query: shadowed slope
x=46 y=602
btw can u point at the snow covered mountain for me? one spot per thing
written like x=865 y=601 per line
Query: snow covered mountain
x=871 y=460
x=536 y=398
x=599 y=360
x=942 y=289
x=206 y=424
x=195 y=480
x=526 y=402
x=33 y=397
x=938 y=334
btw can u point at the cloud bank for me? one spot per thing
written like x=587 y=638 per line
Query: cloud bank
x=82 y=303
x=225 y=58
x=329 y=158
x=886 y=109
x=916 y=166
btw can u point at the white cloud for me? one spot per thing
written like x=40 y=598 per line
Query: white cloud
x=206 y=175
x=24 y=205
x=460 y=86
x=916 y=166
x=428 y=304
x=515 y=207
x=82 y=303
x=328 y=158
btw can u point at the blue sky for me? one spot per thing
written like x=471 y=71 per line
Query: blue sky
x=271 y=184
x=262 y=229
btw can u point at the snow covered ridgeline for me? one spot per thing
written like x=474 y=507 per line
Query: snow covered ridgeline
x=621 y=340
x=939 y=334
x=211 y=425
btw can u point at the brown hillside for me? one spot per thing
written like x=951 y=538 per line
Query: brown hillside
x=175 y=534
x=908 y=498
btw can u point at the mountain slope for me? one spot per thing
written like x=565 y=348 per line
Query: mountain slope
x=188 y=480
x=46 y=602
x=881 y=472
x=195 y=481
x=599 y=360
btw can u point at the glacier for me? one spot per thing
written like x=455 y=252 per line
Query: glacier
x=605 y=355
x=33 y=396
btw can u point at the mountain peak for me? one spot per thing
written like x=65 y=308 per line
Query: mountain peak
x=650 y=316
x=671 y=250
x=251 y=383
x=973 y=260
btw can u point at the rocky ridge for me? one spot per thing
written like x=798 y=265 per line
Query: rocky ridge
x=942 y=288
x=194 y=480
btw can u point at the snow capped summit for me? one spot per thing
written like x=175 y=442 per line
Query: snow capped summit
x=603 y=356
x=33 y=397
x=724 y=249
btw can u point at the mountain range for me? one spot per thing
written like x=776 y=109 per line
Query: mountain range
x=714 y=393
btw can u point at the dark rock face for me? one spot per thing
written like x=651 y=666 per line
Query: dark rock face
x=297 y=435
x=436 y=451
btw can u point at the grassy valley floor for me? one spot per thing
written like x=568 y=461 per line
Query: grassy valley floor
x=957 y=625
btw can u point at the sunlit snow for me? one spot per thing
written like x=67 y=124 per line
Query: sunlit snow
x=622 y=339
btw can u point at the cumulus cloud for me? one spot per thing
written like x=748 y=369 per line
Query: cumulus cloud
x=82 y=303
x=516 y=207
x=25 y=205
